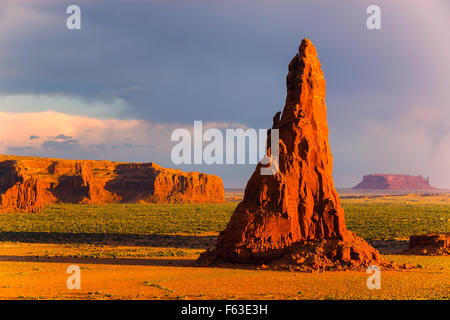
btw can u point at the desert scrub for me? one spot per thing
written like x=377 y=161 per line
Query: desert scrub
x=396 y=221
x=121 y=219
x=369 y=220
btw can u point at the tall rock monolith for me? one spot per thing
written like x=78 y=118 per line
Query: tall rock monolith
x=294 y=217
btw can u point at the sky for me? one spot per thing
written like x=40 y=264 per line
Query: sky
x=138 y=70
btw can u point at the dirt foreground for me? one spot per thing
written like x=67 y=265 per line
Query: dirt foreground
x=38 y=271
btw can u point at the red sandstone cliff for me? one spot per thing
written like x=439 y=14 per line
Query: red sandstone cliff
x=28 y=183
x=394 y=182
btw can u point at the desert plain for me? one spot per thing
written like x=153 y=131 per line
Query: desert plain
x=147 y=251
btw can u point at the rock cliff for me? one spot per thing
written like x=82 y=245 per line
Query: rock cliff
x=28 y=183
x=430 y=244
x=394 y=182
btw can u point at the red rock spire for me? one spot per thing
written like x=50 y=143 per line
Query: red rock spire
x=299 y=203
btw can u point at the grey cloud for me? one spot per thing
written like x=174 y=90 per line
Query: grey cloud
x=61 y=141
x=63 y=145
x=61 y=137
x=19 y=150
x=100 y=146
x=210 y=61
x=123 y=145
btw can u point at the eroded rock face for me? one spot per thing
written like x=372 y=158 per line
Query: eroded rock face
x=295 y=216
x=394 y=182
x=28 y=183
x=430 y=244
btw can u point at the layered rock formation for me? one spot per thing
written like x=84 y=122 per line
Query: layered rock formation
x=394 y=182
x=430 y=244
x=294 y=217
x=30 y=183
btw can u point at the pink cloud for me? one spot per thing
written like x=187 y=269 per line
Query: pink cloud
x=55 y=134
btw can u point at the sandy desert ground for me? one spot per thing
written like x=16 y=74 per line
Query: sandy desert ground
x=125 y=266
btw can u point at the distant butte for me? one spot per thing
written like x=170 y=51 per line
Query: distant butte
x=394 y=182
x=30 y=183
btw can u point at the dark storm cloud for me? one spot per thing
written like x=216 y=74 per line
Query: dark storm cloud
x=180 y=61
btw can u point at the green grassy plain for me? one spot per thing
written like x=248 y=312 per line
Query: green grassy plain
x=372 y=220
x=122 y=219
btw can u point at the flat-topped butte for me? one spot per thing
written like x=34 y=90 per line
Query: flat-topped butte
x=29 y=183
